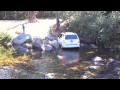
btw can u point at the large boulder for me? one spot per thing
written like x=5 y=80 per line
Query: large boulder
x=54 y=43
x=21 y=49
x=47 y=47
x=27 y=45
x=37 y=42
x=22 y=38
x=50 y=37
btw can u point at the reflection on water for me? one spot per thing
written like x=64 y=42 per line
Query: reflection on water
x=22 y=50
x=66 y=63
x=69 y=56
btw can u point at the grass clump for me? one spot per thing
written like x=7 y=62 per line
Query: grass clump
x=7 y=53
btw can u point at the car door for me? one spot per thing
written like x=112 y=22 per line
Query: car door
x=60 y=39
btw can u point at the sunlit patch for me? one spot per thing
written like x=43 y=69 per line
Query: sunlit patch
x=83 y=66
x=79 y=67
x=91 y=52
x=64 y=74
x=13 y=60
x=74 y=68
x=90 y=73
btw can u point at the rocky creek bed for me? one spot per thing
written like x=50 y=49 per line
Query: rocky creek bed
x=53 y=62
x=93 y=64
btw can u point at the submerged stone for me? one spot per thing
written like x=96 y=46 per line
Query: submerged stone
x=50 y=76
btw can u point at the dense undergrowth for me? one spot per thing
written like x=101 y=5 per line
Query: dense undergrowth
x=102 y=29
x=8 y=54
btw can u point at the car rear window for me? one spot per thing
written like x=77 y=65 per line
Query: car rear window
x=71 y=37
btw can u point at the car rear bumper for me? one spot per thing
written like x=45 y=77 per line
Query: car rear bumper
x=70 y=46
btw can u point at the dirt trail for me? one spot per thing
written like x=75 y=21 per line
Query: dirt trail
x=39 y=28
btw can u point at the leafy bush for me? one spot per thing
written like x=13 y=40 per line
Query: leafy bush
x=7 y=56
x=96 y=24
x=5 y=38
x=21 y=15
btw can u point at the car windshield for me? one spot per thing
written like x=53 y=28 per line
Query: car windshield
x=71 y=37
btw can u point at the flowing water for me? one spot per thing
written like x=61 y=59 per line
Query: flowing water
x=68 y=64
x=64 y=63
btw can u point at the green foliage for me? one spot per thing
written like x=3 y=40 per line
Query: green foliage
x=12 y=15
x=85 y=23
x=96 y=24
x=6 y=52
x=4 y=38
x=45 y=14
x=21 y=15
x=7 y=56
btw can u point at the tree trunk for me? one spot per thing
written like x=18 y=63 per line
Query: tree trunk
x=58 y=23
x=32 y=16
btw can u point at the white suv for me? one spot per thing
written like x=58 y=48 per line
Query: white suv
x=69 y=40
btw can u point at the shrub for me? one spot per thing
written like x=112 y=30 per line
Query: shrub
x=96 y=24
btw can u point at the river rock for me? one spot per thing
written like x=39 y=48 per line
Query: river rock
x=5 y=73
x=50 y=37
x=37 y=42
x=27 y=45
x=83 y=45
x=116 y=62
x=117 y=70
x=9 y=44
x=93 y=46
x=47 y=47
x=54 y=43
x=50 y=76
x=99 y=63
x=97 y=59
x=21 y=49
x=22 y=38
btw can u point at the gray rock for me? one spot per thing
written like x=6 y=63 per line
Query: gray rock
x=93 y=46
x=84 y=77
x=50 y=76
x=37 y=42
x=54 y=43
x=27 y=45
x=83 y=45
x=50 y=37
x=5 y=74
x=99 y=63
x=97 y=59
x=47 y=47
x=116 y=62
x=111 y=60
x=21 y=39
x=117 y=70
x=9 y=43
x=21 y=49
